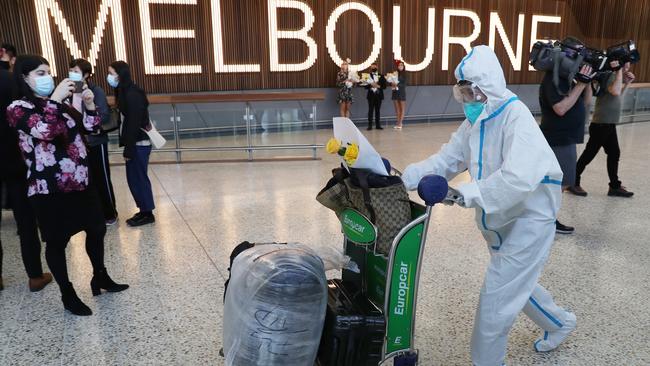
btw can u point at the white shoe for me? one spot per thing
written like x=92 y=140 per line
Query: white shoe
x=551 y=340
x=397 y=127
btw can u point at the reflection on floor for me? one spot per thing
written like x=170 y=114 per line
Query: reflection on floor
x=176 y=268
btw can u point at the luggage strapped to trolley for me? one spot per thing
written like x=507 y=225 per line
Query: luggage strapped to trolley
x=391 y=282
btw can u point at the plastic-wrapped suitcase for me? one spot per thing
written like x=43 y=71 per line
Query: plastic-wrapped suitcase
x=354 y=329
x=275 y=306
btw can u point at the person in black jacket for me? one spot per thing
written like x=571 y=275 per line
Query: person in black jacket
x=375 y=86
x=565 y=107
x=13 y=173
x=133 y=105
x=100 y=169
x=7 y=56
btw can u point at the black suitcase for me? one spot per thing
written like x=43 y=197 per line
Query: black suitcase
x=354 y=329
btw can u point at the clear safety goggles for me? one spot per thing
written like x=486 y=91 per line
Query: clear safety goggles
x=466 y=91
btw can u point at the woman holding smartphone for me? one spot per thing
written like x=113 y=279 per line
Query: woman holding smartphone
x=345 y=84
x=399 y=93
x=134 y=107
x=50 y=139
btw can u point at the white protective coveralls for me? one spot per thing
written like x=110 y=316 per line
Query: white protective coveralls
x=516 y=191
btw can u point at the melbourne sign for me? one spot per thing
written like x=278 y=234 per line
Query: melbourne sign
x=227 y=39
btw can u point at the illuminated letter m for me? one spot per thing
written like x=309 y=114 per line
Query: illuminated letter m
x=46 y=7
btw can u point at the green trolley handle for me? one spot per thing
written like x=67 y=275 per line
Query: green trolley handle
x=403 y=275
x=402 y=272
x=402 y=279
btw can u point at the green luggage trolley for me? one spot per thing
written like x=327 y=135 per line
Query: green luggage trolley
x=391 y=282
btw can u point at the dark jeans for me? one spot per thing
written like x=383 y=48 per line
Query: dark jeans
x=100 y=179
x=601 y=135
x=138 y=180
x=374 y=108
x=30 y=243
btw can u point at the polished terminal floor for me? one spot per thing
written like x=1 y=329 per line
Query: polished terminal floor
x=172 y=314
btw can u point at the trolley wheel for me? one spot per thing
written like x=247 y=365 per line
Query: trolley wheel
x=407 y=359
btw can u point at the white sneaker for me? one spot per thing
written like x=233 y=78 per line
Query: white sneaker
x=397 y=127
x=551 y=340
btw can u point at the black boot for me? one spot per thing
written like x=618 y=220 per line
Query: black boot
x=101 y=280
x=72 y=302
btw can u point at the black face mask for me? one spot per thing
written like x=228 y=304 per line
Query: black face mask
x=4 y=65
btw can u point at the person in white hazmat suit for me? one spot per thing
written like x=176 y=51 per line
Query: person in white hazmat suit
x=516 y=192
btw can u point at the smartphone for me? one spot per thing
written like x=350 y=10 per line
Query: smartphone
x=78 y=87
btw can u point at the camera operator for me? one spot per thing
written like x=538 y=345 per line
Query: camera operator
x=564 y=112
x=602 y=131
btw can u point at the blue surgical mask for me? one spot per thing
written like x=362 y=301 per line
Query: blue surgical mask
x=112 y=80
x=44 y=85
x=473 y=110
x=75 y=76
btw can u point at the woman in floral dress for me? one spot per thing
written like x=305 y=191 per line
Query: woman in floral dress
x=50 y=139
x=345 y=84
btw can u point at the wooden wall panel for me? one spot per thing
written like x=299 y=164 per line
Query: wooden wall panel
x=246 y=37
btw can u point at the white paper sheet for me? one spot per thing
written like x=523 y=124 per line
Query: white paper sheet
x=346 y=132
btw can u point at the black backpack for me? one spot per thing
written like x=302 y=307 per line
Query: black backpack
x=235 y=252
x=239 y=249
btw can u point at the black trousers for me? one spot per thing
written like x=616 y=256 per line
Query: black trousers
x=100 y=179
x=30 y=243
x=601 y=135
x=374 y=108
x=55 y=253
x=62 y=215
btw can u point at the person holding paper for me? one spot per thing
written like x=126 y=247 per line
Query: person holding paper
x=134 y=106
x=344 y=97
x=398 y=86
x=376 y=84
x=516 y=190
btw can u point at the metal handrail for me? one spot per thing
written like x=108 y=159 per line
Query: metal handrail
x=247 y=98
x=249 y=128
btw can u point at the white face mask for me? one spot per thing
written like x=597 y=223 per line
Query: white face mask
x=75 y=76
